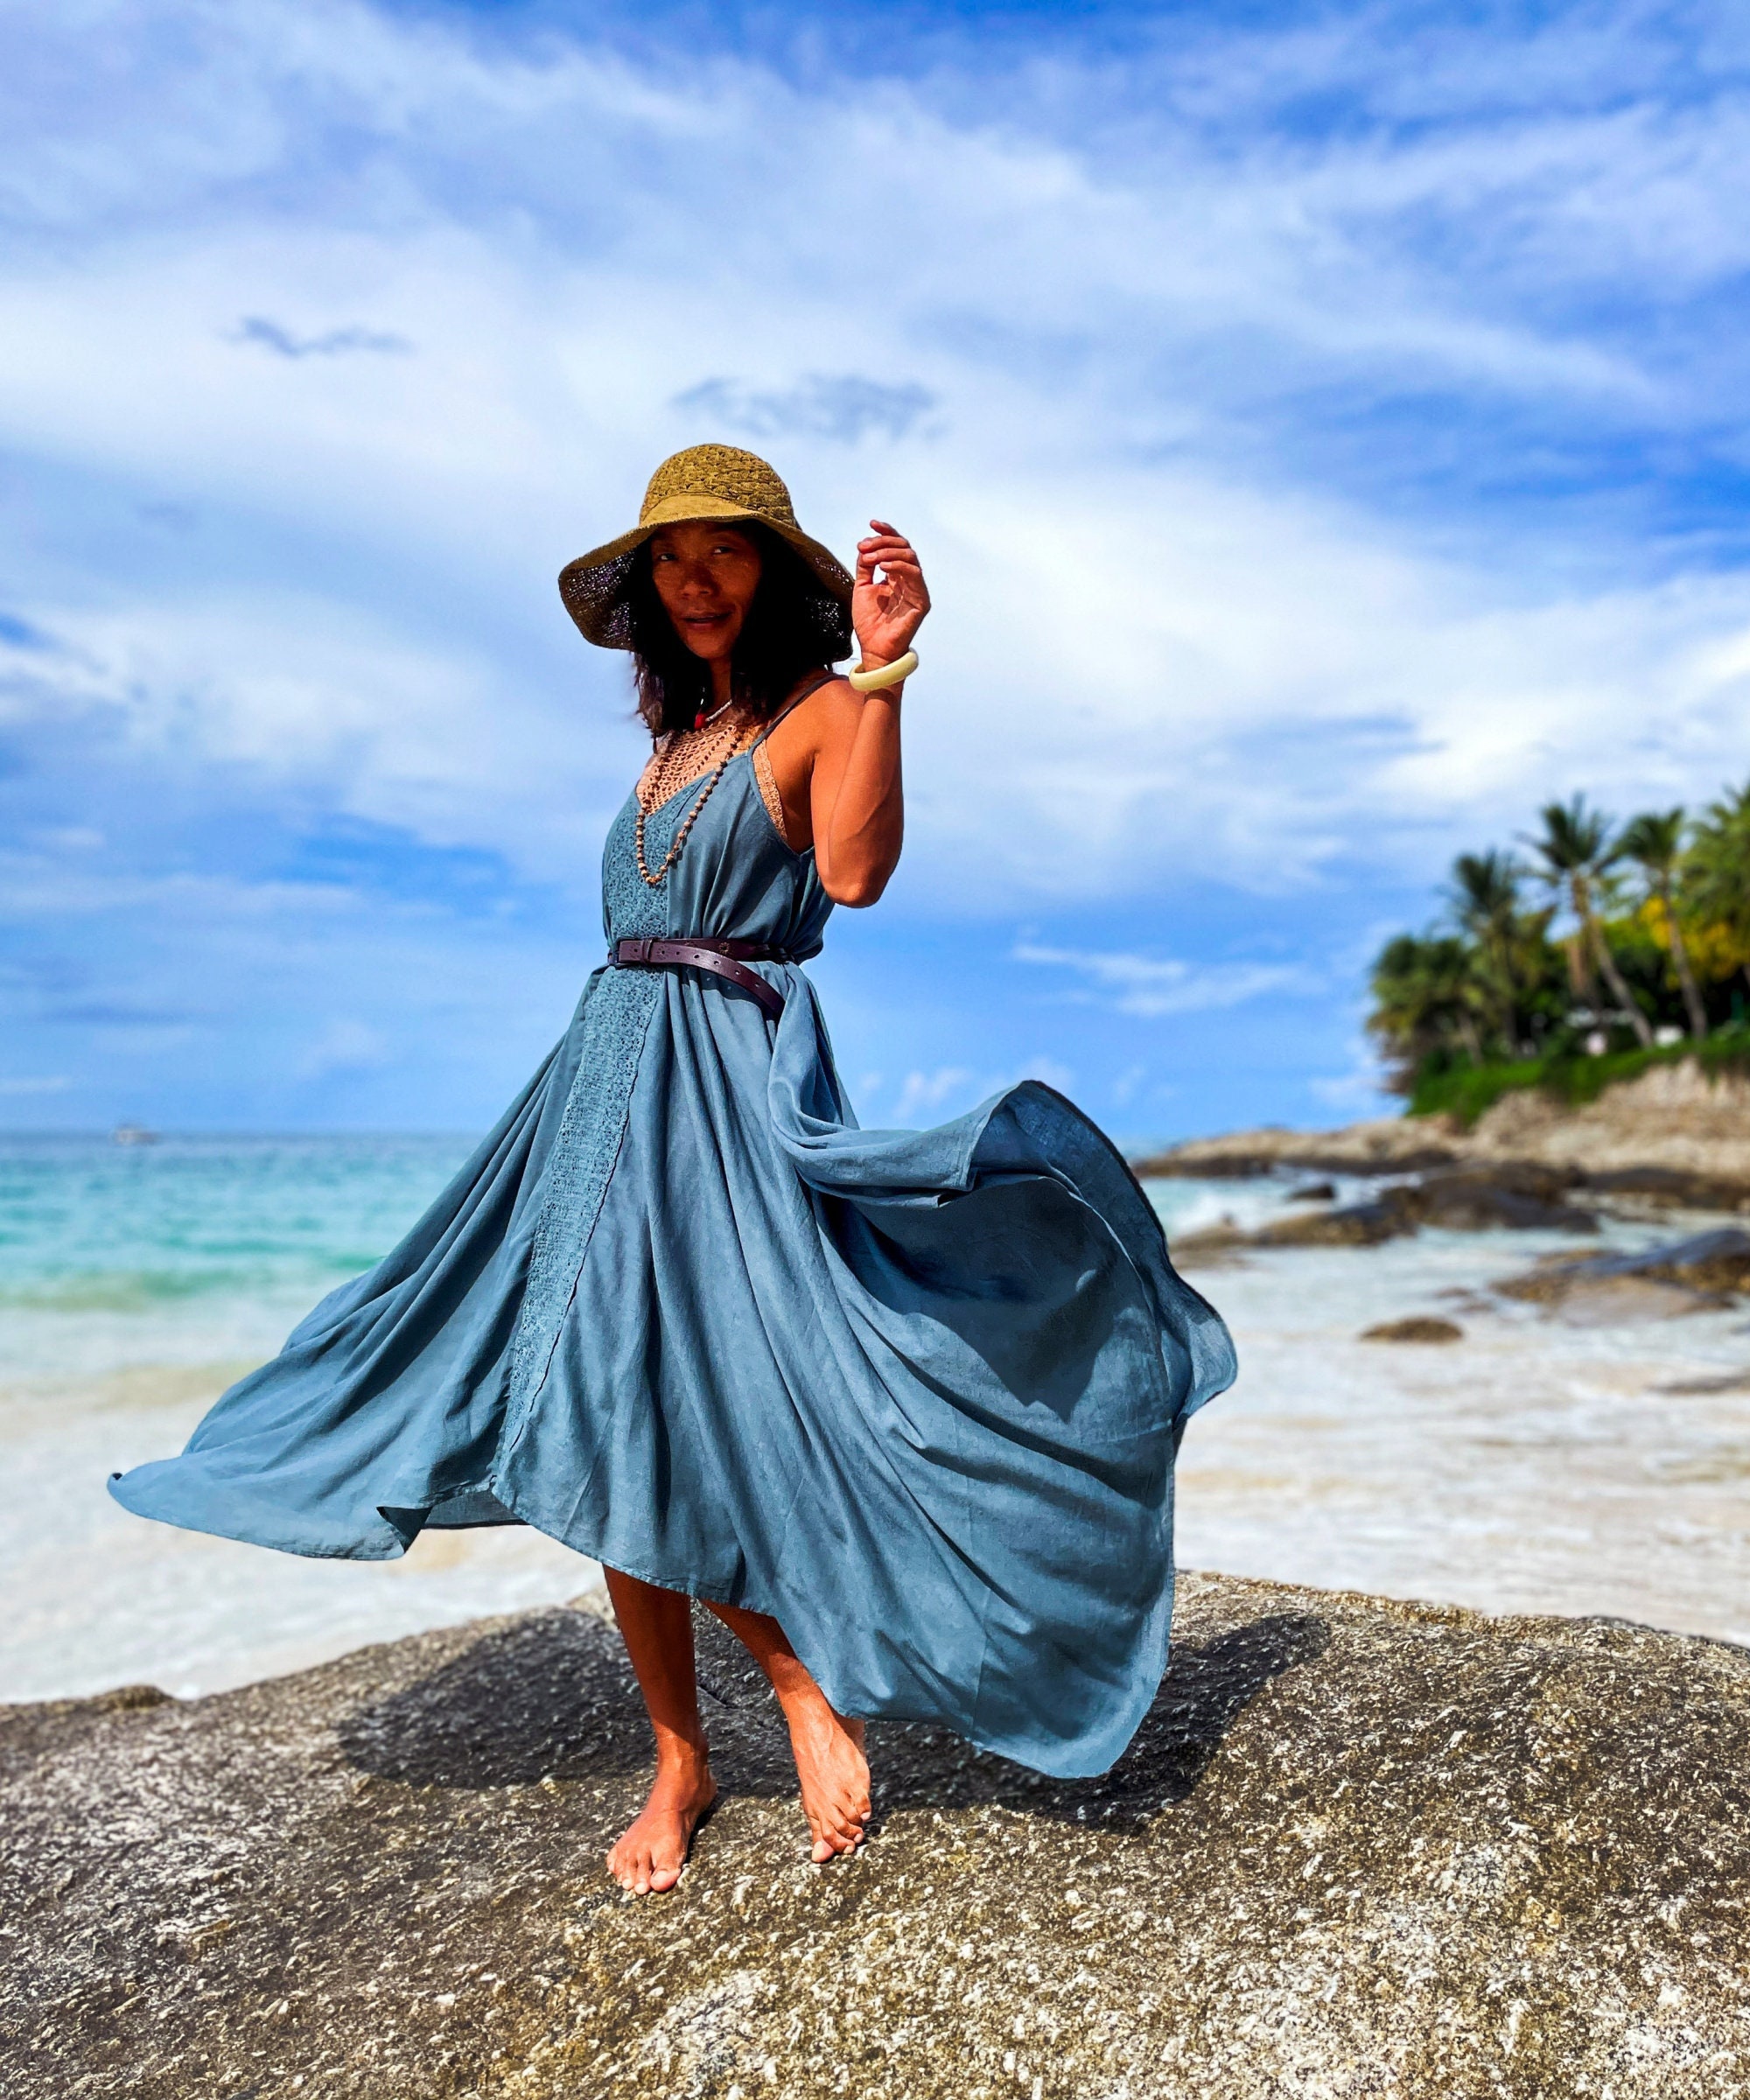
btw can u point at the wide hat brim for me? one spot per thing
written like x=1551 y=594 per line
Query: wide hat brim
x=594 y=586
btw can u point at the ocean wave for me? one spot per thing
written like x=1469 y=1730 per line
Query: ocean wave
x=151 y=1290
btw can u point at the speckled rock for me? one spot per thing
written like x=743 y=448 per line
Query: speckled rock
x=1420 y=1327
x=1358 y=1848
x=1708 y=1265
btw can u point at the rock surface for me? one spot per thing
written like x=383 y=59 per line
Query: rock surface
x=1419 y=1327
x=1509 y=1195
x=1397 y=1145
x=1693 y=1274
x=1674 y=1117
x=1359 y=1848
x=1672 y=1136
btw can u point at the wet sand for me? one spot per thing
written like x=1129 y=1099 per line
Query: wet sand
x=1530 y=1467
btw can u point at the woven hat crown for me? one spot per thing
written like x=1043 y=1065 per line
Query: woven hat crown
x=723 y=473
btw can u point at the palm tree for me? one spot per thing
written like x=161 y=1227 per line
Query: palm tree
x=1654 y=842
x=1426 y=994
x=1484 y=901
x=1717 y=869
x=1576 y=849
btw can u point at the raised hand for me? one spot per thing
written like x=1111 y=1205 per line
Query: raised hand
x=888 y=609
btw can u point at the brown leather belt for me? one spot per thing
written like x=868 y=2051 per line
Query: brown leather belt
x=722 y=958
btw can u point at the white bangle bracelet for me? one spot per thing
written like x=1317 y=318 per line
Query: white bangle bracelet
x=889 y=673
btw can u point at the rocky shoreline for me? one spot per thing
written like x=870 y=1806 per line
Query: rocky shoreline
x=1675 y=1137
x=1428 y=1172
x=1359 y=1847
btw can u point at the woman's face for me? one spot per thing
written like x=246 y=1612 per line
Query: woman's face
x=706 y=576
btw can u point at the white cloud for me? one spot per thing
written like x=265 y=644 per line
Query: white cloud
x=952 y=1089
x=1150 y=986
x=1360 y=1090
x=58 y=1084
x=845 y=407
x=480 y=287
x=924 y=1096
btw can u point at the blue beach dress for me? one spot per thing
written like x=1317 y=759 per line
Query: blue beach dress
x=915 y=1393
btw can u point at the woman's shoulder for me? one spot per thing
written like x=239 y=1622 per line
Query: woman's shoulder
x=823 y=692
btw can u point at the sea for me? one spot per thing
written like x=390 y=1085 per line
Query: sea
x=1534 y=1466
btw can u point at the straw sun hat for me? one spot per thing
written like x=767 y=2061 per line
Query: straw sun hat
x=705 y=481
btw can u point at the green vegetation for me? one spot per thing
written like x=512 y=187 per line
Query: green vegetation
x=1607 y=951
x=1465 y=1090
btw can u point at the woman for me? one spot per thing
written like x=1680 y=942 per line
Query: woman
x=900 y=1407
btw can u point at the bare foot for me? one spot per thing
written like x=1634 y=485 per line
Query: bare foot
x=834 y=1773
x=648 y=1859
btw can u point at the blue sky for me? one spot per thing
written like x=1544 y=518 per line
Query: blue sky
x=1323 y=427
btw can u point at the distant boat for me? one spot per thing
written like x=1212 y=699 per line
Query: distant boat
x=134 y=1133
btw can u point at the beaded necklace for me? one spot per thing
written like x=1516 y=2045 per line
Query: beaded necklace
x=679 y=760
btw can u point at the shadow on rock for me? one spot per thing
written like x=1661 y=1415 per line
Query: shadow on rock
x=550 y=1695
x=1209 y=1684
x=547 y=1695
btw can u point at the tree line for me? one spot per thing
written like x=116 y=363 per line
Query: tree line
x=1598 y=937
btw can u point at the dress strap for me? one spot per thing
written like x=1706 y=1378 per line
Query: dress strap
x=790 y=706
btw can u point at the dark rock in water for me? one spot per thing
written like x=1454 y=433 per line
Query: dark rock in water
x=1512 y=1197
x=1670 y=1188
x=1419 y=1327
x=1478 y=1207
x=1712 y=1263
x=1357 y=1225
x=1220 y=1159
x=1459 y=1199
x=1219 y=1167
x=1314 y=1191
x=1358 y=1848
x=1217 y=1248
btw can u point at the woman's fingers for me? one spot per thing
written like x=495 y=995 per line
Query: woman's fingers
x=889 y=558
x=900 y=590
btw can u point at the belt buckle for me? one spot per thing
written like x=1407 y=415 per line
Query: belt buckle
x=636 y=949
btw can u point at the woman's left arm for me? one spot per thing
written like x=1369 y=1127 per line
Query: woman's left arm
x=856 y=798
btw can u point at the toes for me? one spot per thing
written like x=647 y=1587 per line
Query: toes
x=632 y=1872
x=833 y=1839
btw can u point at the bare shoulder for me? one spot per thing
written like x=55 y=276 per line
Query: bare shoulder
x=829 y=713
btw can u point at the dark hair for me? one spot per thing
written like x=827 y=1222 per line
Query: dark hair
x=793 y=624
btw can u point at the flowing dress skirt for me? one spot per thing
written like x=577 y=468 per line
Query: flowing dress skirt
x=916 y=1394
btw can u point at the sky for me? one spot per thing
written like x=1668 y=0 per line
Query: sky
x=1323 y=429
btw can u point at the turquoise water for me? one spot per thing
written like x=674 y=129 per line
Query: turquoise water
x=111 y=1254
x=209 y=1248
x=136 y=1283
